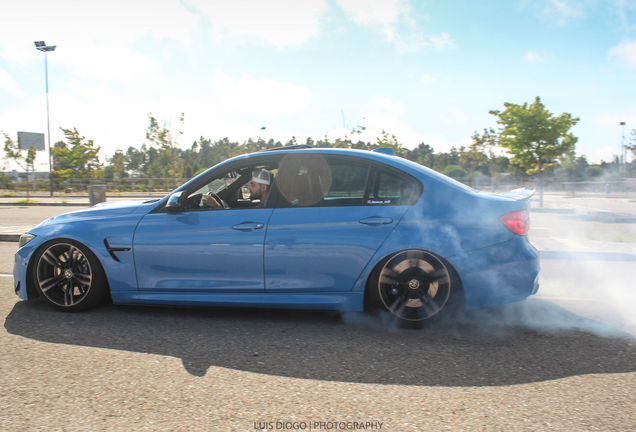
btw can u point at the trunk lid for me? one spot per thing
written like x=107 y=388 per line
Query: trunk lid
x=521 y=194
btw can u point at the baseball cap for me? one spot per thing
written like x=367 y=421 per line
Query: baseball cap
x=260 y=176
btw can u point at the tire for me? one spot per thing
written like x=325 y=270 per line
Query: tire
x=68 y=276
x=415 y=286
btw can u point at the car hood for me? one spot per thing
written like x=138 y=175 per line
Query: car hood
x=99 y=211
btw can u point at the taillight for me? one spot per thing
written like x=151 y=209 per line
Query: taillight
x=518 y=222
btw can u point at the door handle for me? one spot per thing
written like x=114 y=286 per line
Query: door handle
x=248 y=226
x=376 y=220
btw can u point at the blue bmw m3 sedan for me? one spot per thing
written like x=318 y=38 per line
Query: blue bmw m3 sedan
x=308 y=228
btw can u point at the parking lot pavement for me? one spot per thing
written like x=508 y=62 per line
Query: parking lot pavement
x=148 y=369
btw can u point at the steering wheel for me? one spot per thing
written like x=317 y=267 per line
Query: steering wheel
x=218 y=199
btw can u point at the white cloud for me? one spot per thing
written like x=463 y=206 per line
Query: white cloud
x=441 y=41
x=427 y=79
x=385 y=114
x=596 y=154
x=74 y=106
x=415 y=41
x=454 y=115
x=8 y=83
x=613 y=121
x=280 y=22
x=560 y=12
x=393 y=18
x=235 y=108
x=264 y=98
x=564 y=8
x=109 y=62
x=308 y=123
x=404 y=133
x=609 y=141
x=382 y=12
x=532 y=57
x=626 y=52
x=68 y=23
x=387 y=105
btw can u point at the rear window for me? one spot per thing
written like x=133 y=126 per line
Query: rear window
x=389 y=189
x=438 y=176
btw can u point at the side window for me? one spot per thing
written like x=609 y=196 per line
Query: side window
x=347 y=184
x=316 y=181
x=233 y=189
x=387 y=188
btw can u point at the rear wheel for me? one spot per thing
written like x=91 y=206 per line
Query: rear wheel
x=413 y=285
x=68 y=276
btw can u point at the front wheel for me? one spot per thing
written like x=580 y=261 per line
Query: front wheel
x=413 y=285
x=68 y=276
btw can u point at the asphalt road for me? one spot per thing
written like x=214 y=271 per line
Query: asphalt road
x=564 y=360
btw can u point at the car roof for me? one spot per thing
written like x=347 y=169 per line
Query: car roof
x=413 y=168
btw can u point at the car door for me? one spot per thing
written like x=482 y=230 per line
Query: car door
x=327 y=225
x=201 y=251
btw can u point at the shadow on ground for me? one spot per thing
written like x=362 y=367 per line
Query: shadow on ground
x=514 y=344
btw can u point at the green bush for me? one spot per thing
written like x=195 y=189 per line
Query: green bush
x=455 y=171
x=593 y=171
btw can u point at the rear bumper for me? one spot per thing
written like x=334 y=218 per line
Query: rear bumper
x=503 y=273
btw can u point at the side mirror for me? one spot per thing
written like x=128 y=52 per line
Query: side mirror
x=173 y=203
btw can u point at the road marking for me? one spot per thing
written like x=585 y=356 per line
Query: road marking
x=570 y=243
x=5 y=275
x=566 y=298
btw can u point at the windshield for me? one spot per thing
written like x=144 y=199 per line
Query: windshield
x=219 y=184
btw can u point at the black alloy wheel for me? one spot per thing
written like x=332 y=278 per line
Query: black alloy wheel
x=68 y=276
x=414 y=286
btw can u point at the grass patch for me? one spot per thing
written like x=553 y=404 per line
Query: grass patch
x=27 y=201
x=8 y=194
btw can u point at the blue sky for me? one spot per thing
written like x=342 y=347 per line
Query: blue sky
x=426 y=71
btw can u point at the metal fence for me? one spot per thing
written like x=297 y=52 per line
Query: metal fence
x=165 y=185
x=81 y=185
x=501 y=184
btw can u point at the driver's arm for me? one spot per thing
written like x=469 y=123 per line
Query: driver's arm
x=210 y=201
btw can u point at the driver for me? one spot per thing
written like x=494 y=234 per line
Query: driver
x=258 y=186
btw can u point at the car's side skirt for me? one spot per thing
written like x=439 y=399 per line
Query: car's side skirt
x=340 y=301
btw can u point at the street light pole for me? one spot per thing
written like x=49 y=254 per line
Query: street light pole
x=41 y=46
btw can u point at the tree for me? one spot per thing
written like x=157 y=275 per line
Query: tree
x=75 y=158
x=116 y=165
x=167 y=142
x=534 y=136
x=135 y=159
x=386 y=141
x=423 y=154
x=12 y=151
x=632 y=140
x=486 y=144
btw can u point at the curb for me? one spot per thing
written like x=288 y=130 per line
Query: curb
x=9 y=238
x=552 y=210
x=45 y=204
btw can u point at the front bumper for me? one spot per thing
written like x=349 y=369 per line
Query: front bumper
x=20 y=268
